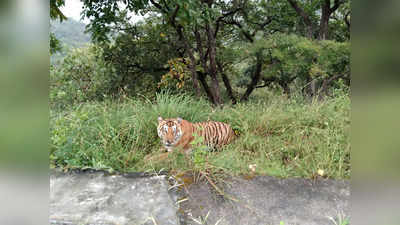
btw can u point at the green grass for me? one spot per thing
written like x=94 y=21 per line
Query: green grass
x=283 y=137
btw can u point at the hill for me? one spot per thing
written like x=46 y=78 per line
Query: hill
x=70 y=32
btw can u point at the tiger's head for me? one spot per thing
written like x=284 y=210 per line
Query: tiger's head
x=169 y=131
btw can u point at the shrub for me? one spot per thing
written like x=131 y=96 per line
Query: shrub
x=82 y=76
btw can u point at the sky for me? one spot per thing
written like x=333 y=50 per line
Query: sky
x=73 y=9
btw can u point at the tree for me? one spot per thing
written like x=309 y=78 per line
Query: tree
x=140 y=53
x=201 y=33
x=327 y=7
x=193 y=21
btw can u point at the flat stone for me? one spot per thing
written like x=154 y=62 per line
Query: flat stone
x=268 y=200
x=100 y=198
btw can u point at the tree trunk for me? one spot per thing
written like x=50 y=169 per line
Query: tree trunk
x=285 y=87
x=324 y=21
x=203 y=60
x=255 y=78
x=306 y=19
x=213 y=66
x=202 y=78
x=227 y=84
x=327 y=11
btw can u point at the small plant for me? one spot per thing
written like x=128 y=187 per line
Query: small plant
x=203 y=220
x=340 y=220
x=177 y=75
x=199 y=152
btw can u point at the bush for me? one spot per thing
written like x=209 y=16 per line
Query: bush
x=82 y=76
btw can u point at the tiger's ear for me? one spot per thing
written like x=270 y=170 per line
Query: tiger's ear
x=179 y=120
x=160 y=119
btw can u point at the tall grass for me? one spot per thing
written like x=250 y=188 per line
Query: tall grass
x=281 y=136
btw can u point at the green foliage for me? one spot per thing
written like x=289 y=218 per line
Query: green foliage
x=334 y=58
x=283 y=137
x=55 y=12
x=55 y=45
x=140 y=62
x=200 y=153
x=290 y=57
x=83 y=76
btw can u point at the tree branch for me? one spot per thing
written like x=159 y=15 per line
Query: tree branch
x=143 y=69
x=346 y=19
x=267 y=82
x=300 y=12
x=158 y=6
x=262 y=25
x=335 y=5
x=220 y=19
x=245 y=33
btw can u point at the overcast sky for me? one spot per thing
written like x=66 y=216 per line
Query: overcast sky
x=73 y=9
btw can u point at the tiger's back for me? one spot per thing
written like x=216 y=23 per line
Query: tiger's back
x=215 y=134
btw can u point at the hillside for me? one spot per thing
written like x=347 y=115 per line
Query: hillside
x=70 y=32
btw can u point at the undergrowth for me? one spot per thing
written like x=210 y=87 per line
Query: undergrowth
x=279 y=136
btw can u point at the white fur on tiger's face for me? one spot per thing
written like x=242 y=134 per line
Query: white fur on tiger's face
x=169 y=131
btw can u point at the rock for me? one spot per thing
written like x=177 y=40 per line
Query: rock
x=99 y=198
x=269 y=200
x=135 y=198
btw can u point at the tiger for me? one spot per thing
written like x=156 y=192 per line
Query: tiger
x=179 y=133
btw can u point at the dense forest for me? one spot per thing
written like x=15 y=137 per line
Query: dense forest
x=277 y=70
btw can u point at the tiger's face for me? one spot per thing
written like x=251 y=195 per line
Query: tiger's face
x=169 y=131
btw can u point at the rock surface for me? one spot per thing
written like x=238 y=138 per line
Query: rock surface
x=269 y=200
x=99 y=198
